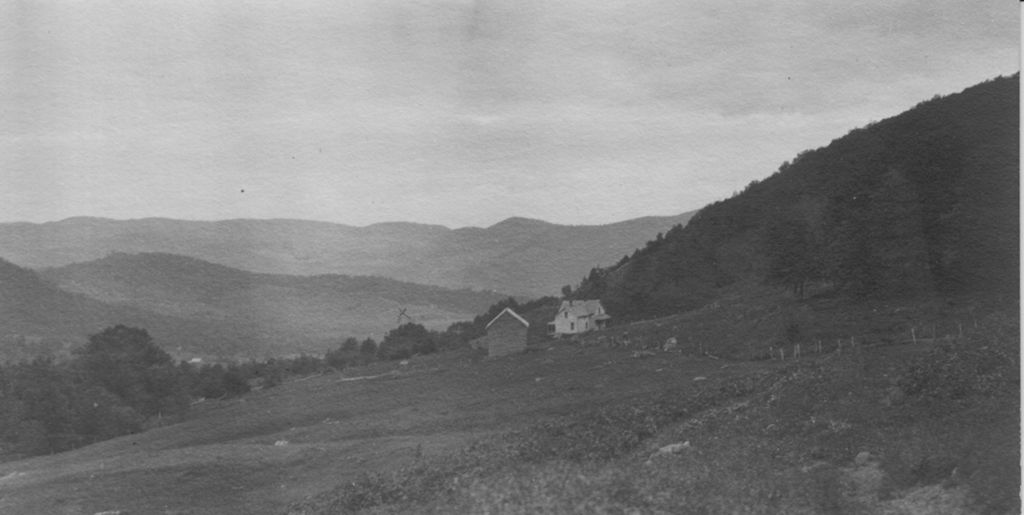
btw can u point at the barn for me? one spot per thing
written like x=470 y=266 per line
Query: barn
x=505 y=334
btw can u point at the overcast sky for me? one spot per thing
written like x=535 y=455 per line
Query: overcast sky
x=453 y=112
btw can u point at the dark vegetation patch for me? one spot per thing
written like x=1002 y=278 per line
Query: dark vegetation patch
x=923 y=203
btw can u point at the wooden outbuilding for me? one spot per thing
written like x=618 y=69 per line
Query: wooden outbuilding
x=505 y=334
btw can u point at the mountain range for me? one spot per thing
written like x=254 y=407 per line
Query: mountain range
x=198 y=309
x=517 y=256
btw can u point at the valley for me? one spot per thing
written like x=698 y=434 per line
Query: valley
x=199 y=309
x=842 y=336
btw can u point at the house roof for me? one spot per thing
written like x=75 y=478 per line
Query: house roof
x=510 y=312
x=582 y=308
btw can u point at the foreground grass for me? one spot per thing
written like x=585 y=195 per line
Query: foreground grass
x=272 y=448
x=903 y=429
x=572 y=429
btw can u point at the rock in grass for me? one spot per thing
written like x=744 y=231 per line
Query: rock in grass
x=670 y=345
x=674 y=448
x=863 y=457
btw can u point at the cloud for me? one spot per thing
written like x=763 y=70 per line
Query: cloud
x=367 y=110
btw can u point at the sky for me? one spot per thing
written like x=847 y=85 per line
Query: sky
x=453 y=112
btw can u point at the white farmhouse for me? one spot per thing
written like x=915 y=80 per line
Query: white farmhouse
x=578 y=316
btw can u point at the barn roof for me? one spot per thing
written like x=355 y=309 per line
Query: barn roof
x=510 y=312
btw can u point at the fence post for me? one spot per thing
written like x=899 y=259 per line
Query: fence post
x=913 y=335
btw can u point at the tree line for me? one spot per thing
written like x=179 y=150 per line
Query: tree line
x=412 y=339
x=120 y=382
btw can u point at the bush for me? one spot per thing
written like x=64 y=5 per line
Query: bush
x=405 y=341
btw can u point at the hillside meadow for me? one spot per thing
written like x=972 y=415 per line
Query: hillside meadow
x=223 y=458
x=586 y=427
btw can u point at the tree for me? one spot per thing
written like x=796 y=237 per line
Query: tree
x=406 y=340
x=46 y=394
x=457 y=335
x=877 y=246
x=209 y=382
x=346 y=354
x=350 y=346
x=125 y=361
x=234 y=381
x=368 y=348
x=793 y=255
x=100 y=415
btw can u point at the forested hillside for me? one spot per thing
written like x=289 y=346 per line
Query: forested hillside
x=37 y=317
x=195 y=308
x=924 y=203
x=318 y=307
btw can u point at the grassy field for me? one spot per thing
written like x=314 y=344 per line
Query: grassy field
x=223 y=459
x=583 y=428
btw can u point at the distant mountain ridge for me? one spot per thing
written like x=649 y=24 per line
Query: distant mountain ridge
x=518 y=256
x=196 y=308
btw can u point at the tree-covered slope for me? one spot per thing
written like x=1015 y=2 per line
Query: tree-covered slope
x=922 y=203
x=291 y=312
x=37 y=316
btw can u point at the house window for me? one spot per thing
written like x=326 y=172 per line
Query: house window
x=572 y=326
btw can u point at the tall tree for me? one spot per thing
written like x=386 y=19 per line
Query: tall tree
x=406 y=340
x=126 y=362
